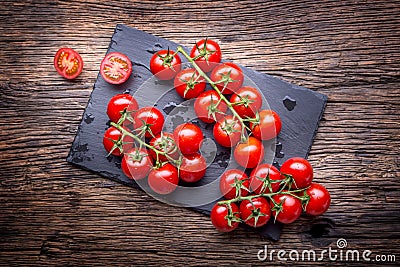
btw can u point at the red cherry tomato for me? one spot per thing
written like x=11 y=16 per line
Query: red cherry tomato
x=268 y=127
x=250 y=153
x=113 y=142
x=116 y=68
x=255 y=213
x=288 y=209
x=209 y=107
x=68 y=63
x=163 y=180
x=259 y=174
x=246 y=101
x=232 y=77
x=119 y=104
x=136 y=163
x=232 y=179
x=148 y=120
x=164 y=142
x=227 y=131
x=188 y=137
x=165 y=64
x=189 y=84
x=319 y=199
x=220 y=217
x=207 y=53
x=300 y=170
x=193 y=168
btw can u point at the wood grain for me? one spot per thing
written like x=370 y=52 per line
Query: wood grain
x=55 y=214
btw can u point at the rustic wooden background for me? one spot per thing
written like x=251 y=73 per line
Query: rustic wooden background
x=53 y=213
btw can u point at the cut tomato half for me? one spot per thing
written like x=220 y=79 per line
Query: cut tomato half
x=116 y=68
x=68 y=63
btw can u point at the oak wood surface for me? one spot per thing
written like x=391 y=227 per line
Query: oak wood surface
x=53 y=213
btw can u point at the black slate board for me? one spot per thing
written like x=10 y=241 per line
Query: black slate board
x=299 y=108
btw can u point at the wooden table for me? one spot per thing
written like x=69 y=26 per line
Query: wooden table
x=53 y=213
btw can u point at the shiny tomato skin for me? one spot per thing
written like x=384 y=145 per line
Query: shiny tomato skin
x=188 y=137
x=213 y=58
x=218 y=217
x=227 y=131
x=253 y=100
x=193 y=168
x=151 y=117
x=112 y=135
x=300 y=170
x=188 y=84
x=291 y=208
x=269 y=126
x=136 y=163
x=165 y=70
x=163 y=180
x=250 y=153
x=261 y=171
x=228 y=179
x=319 y=201
x=68 y=63
x=208 y=102
x=259 y=204
x=116 y=68
x=164 y=142
x=118 y=104
x=236 y=75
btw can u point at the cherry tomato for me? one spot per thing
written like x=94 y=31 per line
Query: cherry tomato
x=68 y=63
x=255 y=213
x=227 y=131
x=319 y=199
x=232 y=77
x=164 y=142
x=188 y=137
x=148 y=120
x=165 y=64
x=189 y=84
x=116 y=68
x=246 y=101
x=119 y=104
x=193 y=168
x=250 y=153
x=136 y=163
x=268 y=127
x=223 y=220
x=232 y=179
x=163 y=180
x=207 y=53
x=288 y=208
x=209 y=107
x=113 y=142
x=300 y=170
x=259 y=174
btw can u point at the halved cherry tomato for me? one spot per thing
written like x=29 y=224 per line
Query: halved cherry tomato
x=250 y=153
x=300 y=170
x=207 y=54
x=189 y=84
x=193 y=168
x=255 y=213
x=227 y=131
x=209 y=107
x=260 y=174
x=164 y=142
x=269 y=125
x=246 y=101
x=136 y=163
x=68 y=63
x=113 y=142
x=231 y=180
x=165 y=64
x=225 y=219
x=119 y=104
x=230 y=75
x=115 y=68
x=148 y=120
x=188 y=137
x=163 y=180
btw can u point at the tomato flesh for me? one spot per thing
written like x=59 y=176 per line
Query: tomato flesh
x=68 y=63
x=116 y=68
